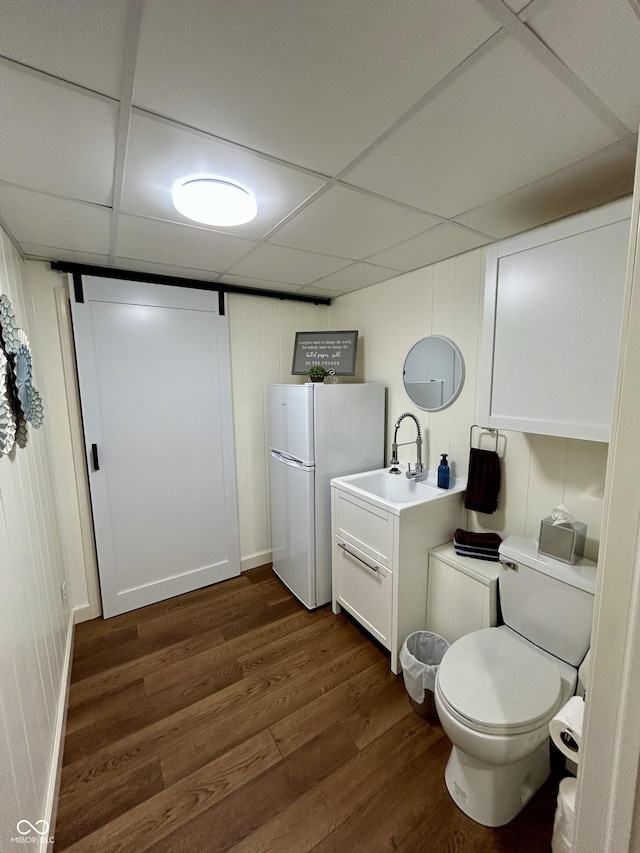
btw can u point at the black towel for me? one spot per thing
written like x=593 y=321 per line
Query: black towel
x=480 y=546
x=477 y=555
x=479 y=541
x=483 y=483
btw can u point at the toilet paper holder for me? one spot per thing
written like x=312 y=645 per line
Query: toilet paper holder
x=569 y=741
x=565 y=728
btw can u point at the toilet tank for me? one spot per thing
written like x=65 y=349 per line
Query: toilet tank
x=548 y=602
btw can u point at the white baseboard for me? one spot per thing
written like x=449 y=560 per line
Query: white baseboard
x=84 y=613
x=53 y=788
x=255 y=560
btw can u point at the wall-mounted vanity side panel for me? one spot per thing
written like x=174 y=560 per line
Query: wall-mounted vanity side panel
x=552 y=321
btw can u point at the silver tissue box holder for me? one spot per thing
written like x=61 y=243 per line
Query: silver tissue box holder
x=564 y=542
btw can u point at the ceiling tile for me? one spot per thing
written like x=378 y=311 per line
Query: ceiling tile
x=517 y=5
x=351 y=224
x=322 y=292
x=503 y=123
x=355 y=276
x=57 y=140
x=245 y=281
x=277 y=263
x=312 y=83
x=177 y=245
x=160 y=154
x=72 y=39
x=134 y=265
x=438 y=243
x=594 y=181
x=57 y=222
x=600 y=43
x=47 y=252
x=503 y=145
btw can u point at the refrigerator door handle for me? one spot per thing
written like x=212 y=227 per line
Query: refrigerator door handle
x=289 y=460
x=359 y=559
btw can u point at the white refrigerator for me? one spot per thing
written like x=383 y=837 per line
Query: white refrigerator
x=316 y=432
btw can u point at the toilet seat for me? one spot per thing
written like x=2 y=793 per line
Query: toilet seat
x=494 y=681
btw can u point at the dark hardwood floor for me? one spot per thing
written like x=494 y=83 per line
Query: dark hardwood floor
x=232 y=718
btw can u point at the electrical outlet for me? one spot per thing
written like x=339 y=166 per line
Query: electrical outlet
x=63 y=593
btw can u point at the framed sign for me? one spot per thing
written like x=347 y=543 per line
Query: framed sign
x=335 y=351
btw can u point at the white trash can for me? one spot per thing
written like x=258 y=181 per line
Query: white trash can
x=420 y=657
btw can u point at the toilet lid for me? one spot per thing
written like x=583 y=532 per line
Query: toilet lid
x=496 y=680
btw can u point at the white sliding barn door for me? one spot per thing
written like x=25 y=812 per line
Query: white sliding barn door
x=153 y=367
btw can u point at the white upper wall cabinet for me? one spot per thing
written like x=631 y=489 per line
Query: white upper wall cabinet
x=552 y=320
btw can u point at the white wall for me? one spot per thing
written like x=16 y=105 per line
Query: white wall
x=538 y=472
x=608 y=792
x=51 y=305
x=35 y=627
x=445 y=299
x=262 y=334
x=442 y=299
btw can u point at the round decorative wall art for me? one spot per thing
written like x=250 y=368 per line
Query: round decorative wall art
x=7 y=418
x=36 y=407
x=20 y=401
x=22 y=370
x=8 y=325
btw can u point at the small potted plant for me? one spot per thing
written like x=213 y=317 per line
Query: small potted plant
x=317 y=373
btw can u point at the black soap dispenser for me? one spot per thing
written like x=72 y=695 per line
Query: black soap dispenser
x=443 y=473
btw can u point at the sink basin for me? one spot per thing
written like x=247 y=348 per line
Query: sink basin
x=394 y=492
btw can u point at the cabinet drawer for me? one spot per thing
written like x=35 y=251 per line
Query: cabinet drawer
x=364 y=588
x=366 y=527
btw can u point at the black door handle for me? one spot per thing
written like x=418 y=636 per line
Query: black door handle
x=94 y=457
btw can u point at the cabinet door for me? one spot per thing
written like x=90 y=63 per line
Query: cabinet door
x=469 y=606
x=364 y=588
x=457 y=603
x=553 y=315
x=441 y=599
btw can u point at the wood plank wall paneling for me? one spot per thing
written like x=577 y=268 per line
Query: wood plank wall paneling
x=538 y=472
x=49 y=292
x=442 y=299
x=256 y=724
x=262 y=334
x=34 y=625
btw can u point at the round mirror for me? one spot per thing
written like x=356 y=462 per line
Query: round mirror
x=433 y=373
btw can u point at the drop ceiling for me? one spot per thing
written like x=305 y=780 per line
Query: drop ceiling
x=378 y=136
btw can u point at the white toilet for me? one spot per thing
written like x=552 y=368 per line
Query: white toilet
x=497 y=689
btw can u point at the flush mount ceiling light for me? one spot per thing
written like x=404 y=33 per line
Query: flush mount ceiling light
x=214 y=201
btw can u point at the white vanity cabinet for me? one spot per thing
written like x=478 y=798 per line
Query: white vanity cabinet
x=552 y=321
x=380 y=561
x=462 y=594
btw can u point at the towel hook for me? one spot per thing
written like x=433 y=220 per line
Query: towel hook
x=483 y=429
